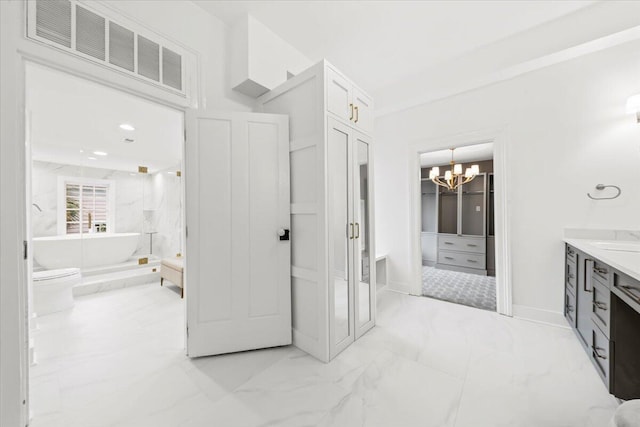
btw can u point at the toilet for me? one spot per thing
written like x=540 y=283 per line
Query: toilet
x=53 y=290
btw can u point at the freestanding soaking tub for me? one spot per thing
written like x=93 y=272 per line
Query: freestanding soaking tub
x=84 y=250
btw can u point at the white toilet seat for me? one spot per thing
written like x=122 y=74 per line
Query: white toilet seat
x=53 y=290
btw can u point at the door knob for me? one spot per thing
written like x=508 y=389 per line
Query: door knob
x=283 y=234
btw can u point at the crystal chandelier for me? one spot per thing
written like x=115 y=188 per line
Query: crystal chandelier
x=453 y=178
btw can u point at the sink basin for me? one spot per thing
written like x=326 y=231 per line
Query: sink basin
x=618 y=246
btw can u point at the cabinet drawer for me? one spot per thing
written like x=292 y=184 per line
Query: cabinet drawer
x=571 y=254
x=601 y=307
x=601 y=272
x=462 y=259
x=600 y=352
x=571 y=277
x=570 y=308
x=466 y=244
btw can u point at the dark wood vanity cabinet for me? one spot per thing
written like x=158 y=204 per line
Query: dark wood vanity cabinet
x=602 y=305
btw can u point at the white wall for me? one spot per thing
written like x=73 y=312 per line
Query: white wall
x=566 y=131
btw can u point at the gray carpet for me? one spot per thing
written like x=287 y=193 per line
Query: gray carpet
x=461 y=288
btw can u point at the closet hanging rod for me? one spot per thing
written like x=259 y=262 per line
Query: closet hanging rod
x=601 y=187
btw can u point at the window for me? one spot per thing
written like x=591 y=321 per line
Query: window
x=85 y=206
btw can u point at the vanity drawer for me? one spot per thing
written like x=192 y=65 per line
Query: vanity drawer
x=462 y=260
x=601 y=272
x=571 y=277
x=462 y=243
x=571 y=254
x=600 y=353
x=570 y=308
x=601 y=307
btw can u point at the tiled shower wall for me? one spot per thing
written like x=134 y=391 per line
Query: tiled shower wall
x=143 y=203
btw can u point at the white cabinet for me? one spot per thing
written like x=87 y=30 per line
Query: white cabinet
x=332 y=241
x=348 y=102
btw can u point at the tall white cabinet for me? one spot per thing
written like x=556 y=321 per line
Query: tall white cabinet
x=332 y=222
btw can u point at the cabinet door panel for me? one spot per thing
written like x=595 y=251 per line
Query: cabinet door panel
x=341 y=235
x=363 y=254
x=339 y=96
x=363 y=114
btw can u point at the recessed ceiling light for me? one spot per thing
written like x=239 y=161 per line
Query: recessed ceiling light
x=126 y=126
x=99 y=153
x=92 y=158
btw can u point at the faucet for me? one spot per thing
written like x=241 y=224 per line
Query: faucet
x=37 y=207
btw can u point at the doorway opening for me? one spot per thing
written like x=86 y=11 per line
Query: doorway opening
x=105 y=214
x=457 y=235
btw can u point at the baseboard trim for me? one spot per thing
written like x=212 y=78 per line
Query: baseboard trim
x=403 y=288
x=538 y=315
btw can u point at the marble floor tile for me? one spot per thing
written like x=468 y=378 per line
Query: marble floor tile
x=117 y=360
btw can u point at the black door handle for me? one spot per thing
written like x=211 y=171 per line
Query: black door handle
x=283 y=234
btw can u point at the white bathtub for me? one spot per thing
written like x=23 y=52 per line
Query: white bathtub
x=84 y=251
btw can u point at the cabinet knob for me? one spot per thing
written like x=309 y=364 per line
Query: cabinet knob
x=600 y=305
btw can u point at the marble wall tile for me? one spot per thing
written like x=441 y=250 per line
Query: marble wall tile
x=143 y=203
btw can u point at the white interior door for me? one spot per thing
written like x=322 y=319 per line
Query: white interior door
x=238 y=293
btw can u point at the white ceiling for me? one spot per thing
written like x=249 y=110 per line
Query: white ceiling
x=69 y=114
x=379 y=43
x=466 y=154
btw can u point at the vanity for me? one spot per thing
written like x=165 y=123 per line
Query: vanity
x=602 y=305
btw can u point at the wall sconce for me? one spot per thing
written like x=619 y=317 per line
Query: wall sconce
x=633 y=106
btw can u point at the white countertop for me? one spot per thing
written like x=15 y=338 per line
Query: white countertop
x=626 y=262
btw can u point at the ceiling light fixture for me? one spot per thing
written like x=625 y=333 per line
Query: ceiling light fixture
x=126 y=126
x=633 y=106
x=99 y=153
x=453 y=178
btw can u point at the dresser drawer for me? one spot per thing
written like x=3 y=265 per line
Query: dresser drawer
x=571 y=276
x=600 y=353
x=601 y=307
x=468 y=260
x=570 y=308
x=601 y=272
x=462 y=243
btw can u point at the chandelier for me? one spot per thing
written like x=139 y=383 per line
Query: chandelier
x=453 y=178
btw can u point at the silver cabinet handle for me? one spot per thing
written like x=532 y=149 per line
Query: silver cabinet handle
x=600 y=270
x=448 y=257
x=596 y=352
x=571 y=252
x=448 y=243
x=569 y=308
x=572 y=276
x=357 y=230
x=351 y=231
x=600 y=305
x=471 y=245
x=471 y=260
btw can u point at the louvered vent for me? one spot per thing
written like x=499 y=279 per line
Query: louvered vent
x=148 y=58
x=53 y=21
x=121 y=46
x=78 y=28
x=90 y=37
x=171 y=69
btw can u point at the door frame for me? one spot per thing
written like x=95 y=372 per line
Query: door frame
x=16 y=51
x=499 y=138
